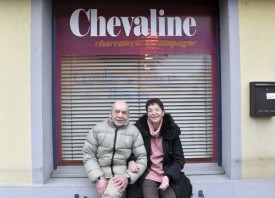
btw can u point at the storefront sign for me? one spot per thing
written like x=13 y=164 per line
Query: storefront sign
x=98 y=28
x=157 y=24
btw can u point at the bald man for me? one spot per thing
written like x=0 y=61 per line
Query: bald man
x=106 y=150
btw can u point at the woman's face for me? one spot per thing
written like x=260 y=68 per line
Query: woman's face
x=155 y=113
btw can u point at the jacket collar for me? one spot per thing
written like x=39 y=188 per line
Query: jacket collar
x=166 y=130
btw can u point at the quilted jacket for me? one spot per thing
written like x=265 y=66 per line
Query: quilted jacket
x=107 y=148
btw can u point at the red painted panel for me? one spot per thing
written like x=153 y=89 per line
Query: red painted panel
x=67 y=43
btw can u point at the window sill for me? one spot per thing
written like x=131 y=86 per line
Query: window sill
x=189 y=169
x=203 y=169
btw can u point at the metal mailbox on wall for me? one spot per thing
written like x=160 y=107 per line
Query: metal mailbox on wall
x=262 y=99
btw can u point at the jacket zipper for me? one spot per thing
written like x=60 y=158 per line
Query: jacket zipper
x=114 y=150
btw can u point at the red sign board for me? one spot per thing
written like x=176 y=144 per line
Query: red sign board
x=91 y=29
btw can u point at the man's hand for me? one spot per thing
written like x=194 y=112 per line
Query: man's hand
x=165 y=183
x=101 y=186
x=121 y=182
x=132 y=167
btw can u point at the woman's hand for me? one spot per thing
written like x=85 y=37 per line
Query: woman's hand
x=132 y=167
x=121 y=182
x=165 y=183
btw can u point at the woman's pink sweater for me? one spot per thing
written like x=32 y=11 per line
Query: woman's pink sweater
x=156 y=157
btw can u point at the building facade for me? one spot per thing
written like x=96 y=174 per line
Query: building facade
x=30 y=163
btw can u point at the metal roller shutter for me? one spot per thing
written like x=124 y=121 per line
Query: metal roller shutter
x=90 y=84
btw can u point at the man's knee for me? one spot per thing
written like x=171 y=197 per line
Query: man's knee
x=111 y=191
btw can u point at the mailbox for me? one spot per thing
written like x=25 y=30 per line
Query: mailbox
x=262 y=98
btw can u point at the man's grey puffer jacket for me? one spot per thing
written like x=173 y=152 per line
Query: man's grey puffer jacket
x=107 y=148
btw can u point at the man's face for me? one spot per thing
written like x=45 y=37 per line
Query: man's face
x=119 y=113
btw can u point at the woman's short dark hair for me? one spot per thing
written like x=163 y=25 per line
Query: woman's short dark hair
x=154 y=101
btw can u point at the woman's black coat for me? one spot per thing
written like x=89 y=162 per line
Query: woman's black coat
x=173 y=158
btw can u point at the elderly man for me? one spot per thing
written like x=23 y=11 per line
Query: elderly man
x=107 y=148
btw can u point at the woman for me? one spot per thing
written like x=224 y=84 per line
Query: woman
x=163 y=176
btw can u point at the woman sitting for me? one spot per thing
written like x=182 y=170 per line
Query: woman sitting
x=165 y=159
